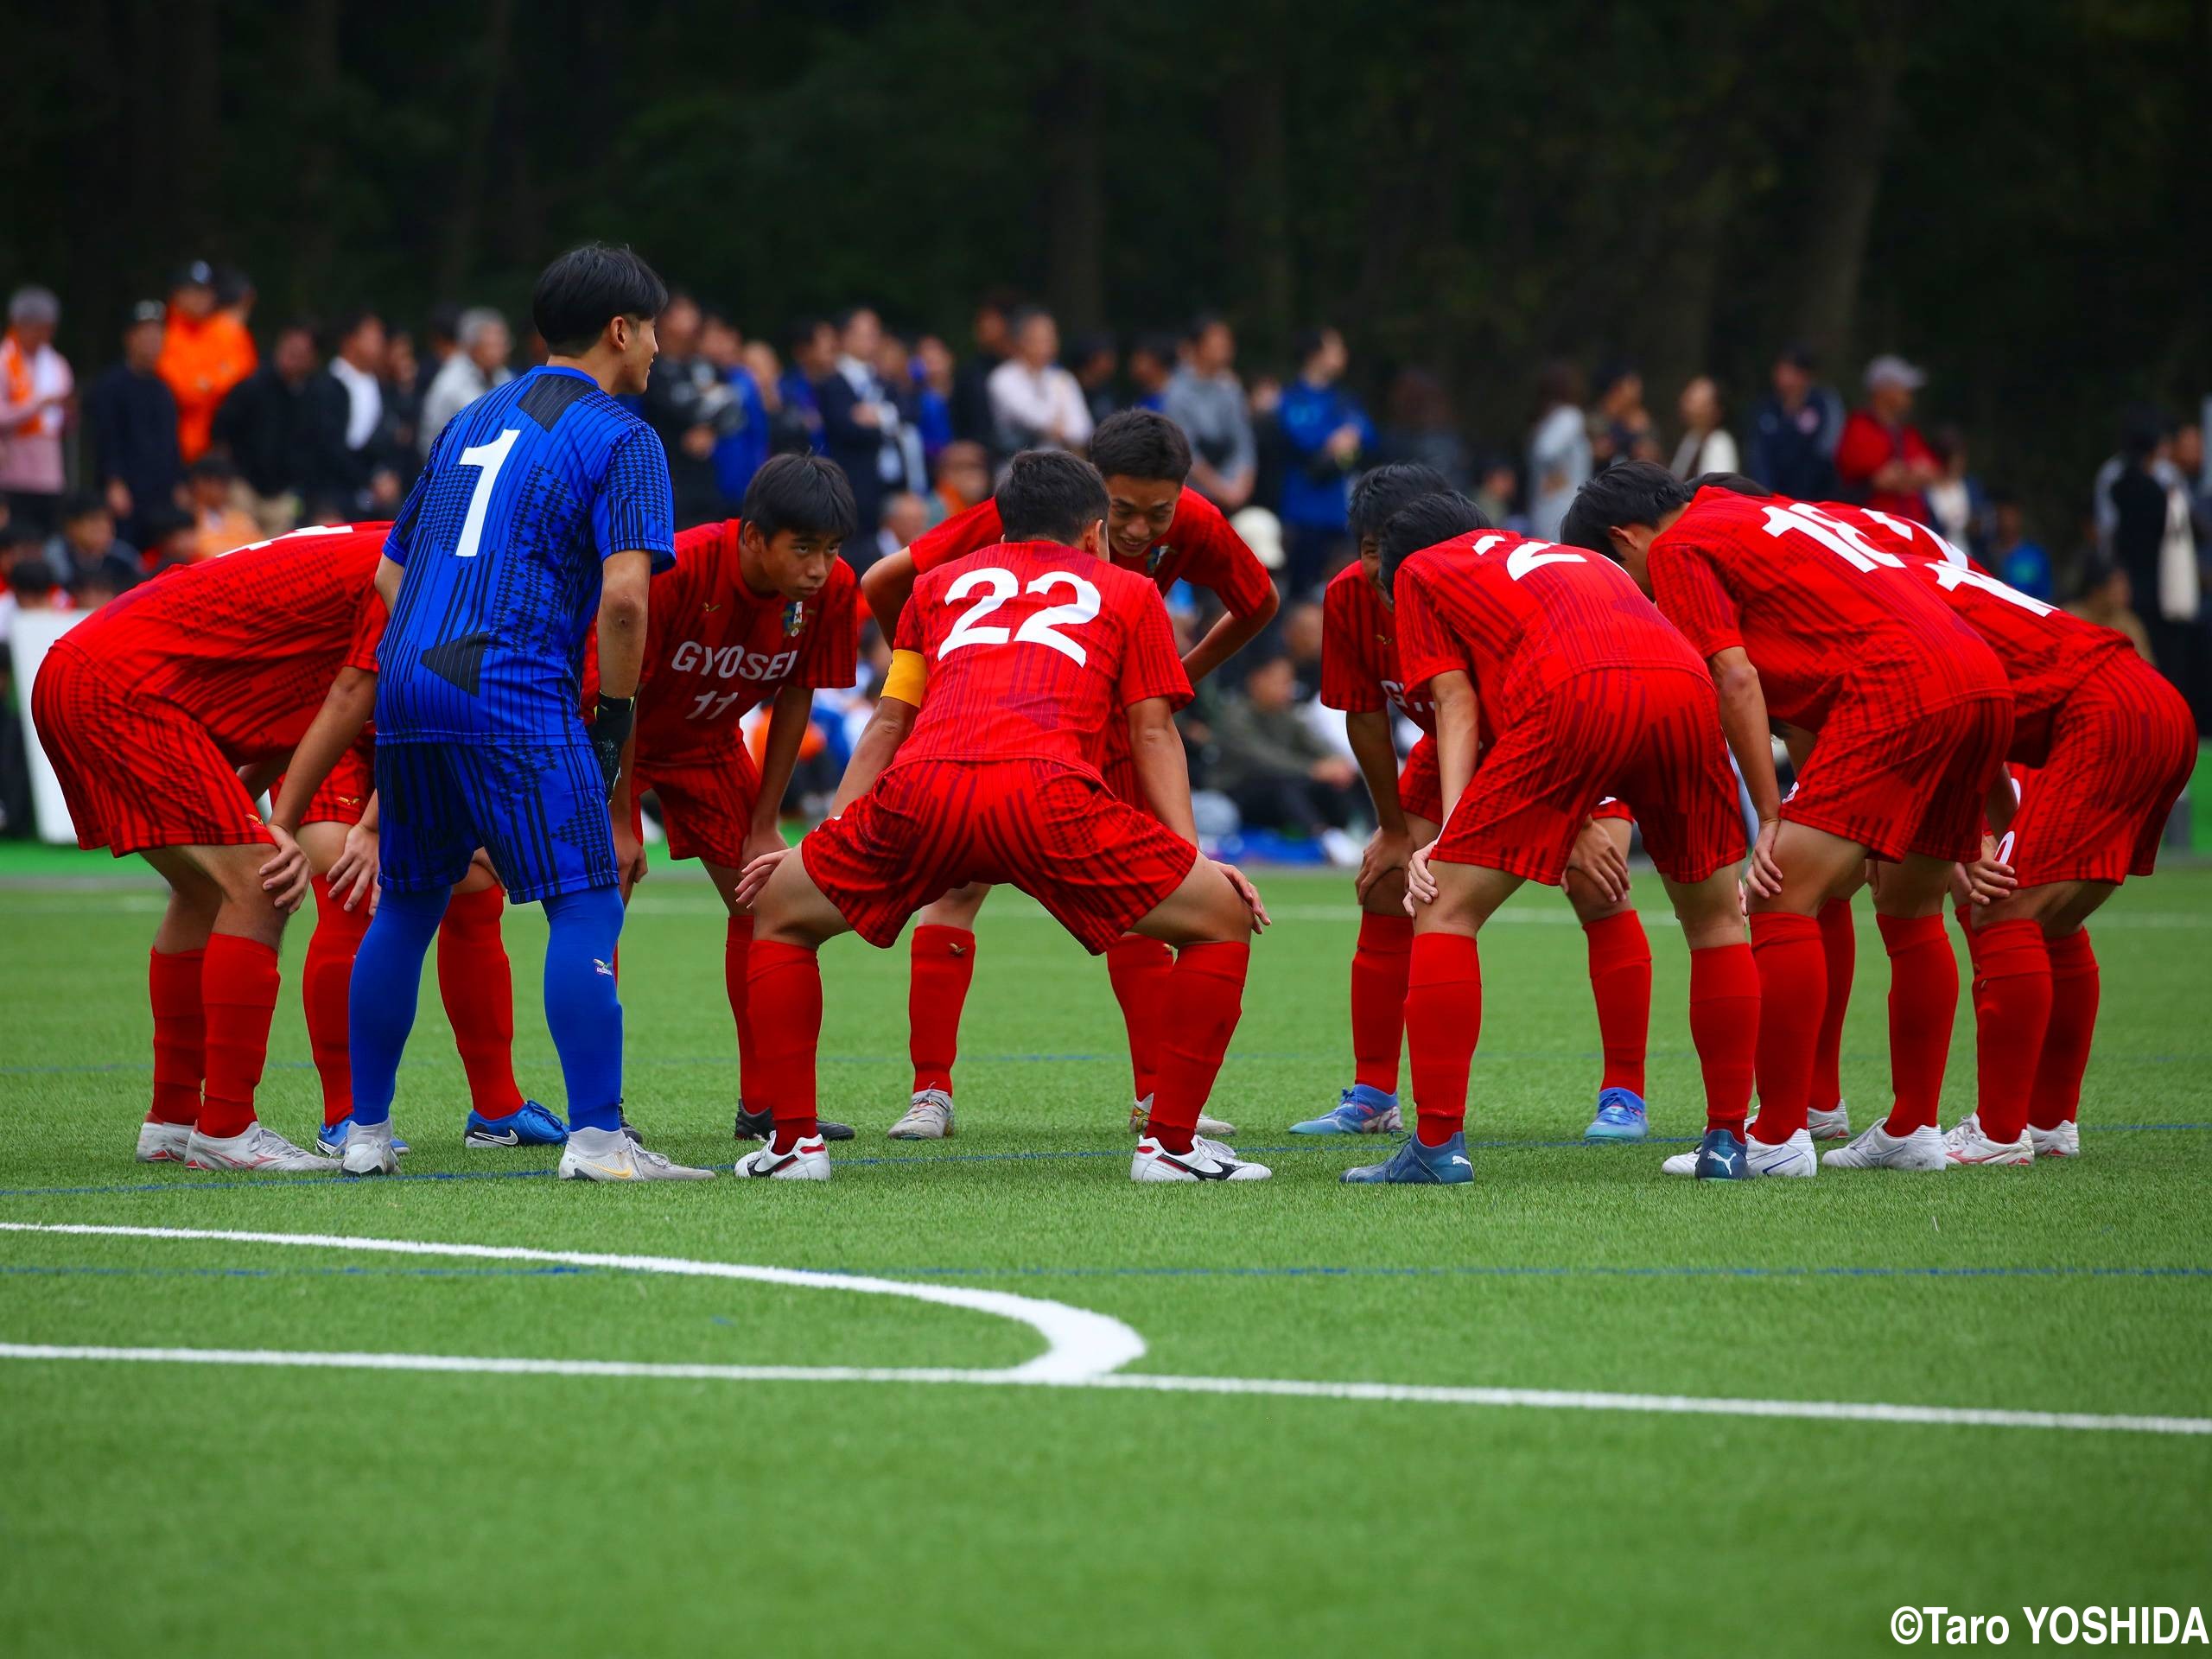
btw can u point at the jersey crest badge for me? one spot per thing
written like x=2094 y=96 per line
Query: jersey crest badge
x=1152 y=560
x=794 y=618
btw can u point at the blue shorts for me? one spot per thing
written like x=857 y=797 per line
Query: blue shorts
x=538 y=809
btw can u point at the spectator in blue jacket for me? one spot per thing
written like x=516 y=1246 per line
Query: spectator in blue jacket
x=1794 y=432
x=741 y=425
x=1327 y=437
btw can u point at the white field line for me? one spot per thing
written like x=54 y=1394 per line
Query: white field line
x=1087 y=1350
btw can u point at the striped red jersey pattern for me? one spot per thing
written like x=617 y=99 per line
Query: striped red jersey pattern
x=1359 y=652
x=248 y=644
x=1032 y=649
x=1519 y=617
x=1822 y=613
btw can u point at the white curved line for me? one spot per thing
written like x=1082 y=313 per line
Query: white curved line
x=1079 y=1344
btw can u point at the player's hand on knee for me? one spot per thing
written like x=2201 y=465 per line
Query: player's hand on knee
x=1386 y=850
x=284 y=875
x=757 y=874
x=1988 y=879
x=1764 y=874
x=1421 y=880
x=353 y=876
x=760 y=843
x=1599 y=863
x=629 y=859
x=1249 y=894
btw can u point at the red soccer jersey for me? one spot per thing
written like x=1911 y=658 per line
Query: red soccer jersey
x=1032 y=649
x=248 y=644
x=1822 y=611
x=1199 y=548
x=1359 y=652
x=2046 y=652
x=714 y=648
x=1521 y=617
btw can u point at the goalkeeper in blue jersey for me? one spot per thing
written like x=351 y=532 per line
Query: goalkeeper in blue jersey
x=543 y=514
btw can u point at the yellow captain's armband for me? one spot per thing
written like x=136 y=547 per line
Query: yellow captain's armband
x=909 y=673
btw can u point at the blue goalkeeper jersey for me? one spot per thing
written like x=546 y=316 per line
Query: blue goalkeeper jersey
x=527 y=490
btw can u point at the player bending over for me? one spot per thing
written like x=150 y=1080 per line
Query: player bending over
x=1360 y=674
x=1157 y=528
x=1811 y=623
x=1584 y=692
x=545 y=505
x=979 y=766
x=149 y=709
x=756 y=609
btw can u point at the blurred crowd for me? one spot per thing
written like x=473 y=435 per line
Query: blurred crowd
x=214 y=429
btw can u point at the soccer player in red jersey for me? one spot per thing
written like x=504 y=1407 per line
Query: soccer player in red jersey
x=1814 y=624
x=979 y=766
x=151 y=709
x=1157 y=528
x=1548 y=662
x=2109 y=746
x=757 y=609
x=1360 y=675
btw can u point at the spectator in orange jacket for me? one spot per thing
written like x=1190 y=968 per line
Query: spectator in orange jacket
x=204 y=353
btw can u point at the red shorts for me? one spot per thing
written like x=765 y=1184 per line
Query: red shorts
x=1921 y=787
x=345 y=794
x=706 y=802
x=2123 y=746
x=1649 y=736
x=1420 y=788
x=137 y=773
x=1097 y=863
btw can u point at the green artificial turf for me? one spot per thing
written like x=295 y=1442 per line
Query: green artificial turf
x=158 y=1508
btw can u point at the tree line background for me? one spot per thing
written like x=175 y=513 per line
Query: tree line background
x=2012 y=192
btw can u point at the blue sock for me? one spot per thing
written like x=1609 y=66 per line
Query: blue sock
x=581 y=1006
x=1371 y=1098
x=387 y=978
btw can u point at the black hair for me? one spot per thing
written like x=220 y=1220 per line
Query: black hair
x=1157 y=346
x=33 y=577
x=808 y=494
x=1140 y=444
x=1734 y=483
x=211 y=467
x=1306 y=342
x=843 y=320
x=580 y=292
x=349 y=323
x=83 y=504
x=1423 y=521
x=1049 y=495
x=1382 y=490
x=1627 y=492
x=20 y=532
x=1022 y=315
x=444 y=322
x=1799 y=356
x=1201 y=323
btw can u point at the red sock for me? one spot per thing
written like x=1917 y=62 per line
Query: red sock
x=2075 y=990
x=1793 y=996
x=2012 y=1011
x=1839 y=945
x=944 y=967
x=1140 y=968
x=1380 y=965
x=737 y=950
x=1924 y=1002
x=783 y=988
x=1620 y=978
x=478 y=986
x=326 y=995
x=1444 y=1018
x=1206 y=990
x=180 y=1035
x=1724 y=1027
x=238 y=988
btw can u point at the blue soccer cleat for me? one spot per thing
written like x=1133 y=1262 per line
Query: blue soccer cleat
x=1359 y=1110
x=1620 y=1116
x=532 y=1125
x=1719 y=1157
x=1414 y=1164
x=330 y=1139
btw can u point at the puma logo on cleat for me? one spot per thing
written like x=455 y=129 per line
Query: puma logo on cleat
x=1725 y=1160
x=1458 y=1160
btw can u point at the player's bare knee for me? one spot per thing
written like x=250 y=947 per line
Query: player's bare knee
x=1386 y=897
x=958 y=908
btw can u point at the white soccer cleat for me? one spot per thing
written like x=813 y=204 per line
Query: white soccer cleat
x=1682 y=1163
x=1206 y=1160
x=163 y=1143
x=1967 y=1144
x=1794 y=1157
x=259 y=1148
x=928 y=1118
x=807 y=1161
x=1140 y=1114
x=611 y=1156
x=370 y=1149
x=2064 y=1141
x=1830 y=1126
x=1876 y=1148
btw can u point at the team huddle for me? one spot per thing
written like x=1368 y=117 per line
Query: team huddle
x=465 y=707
